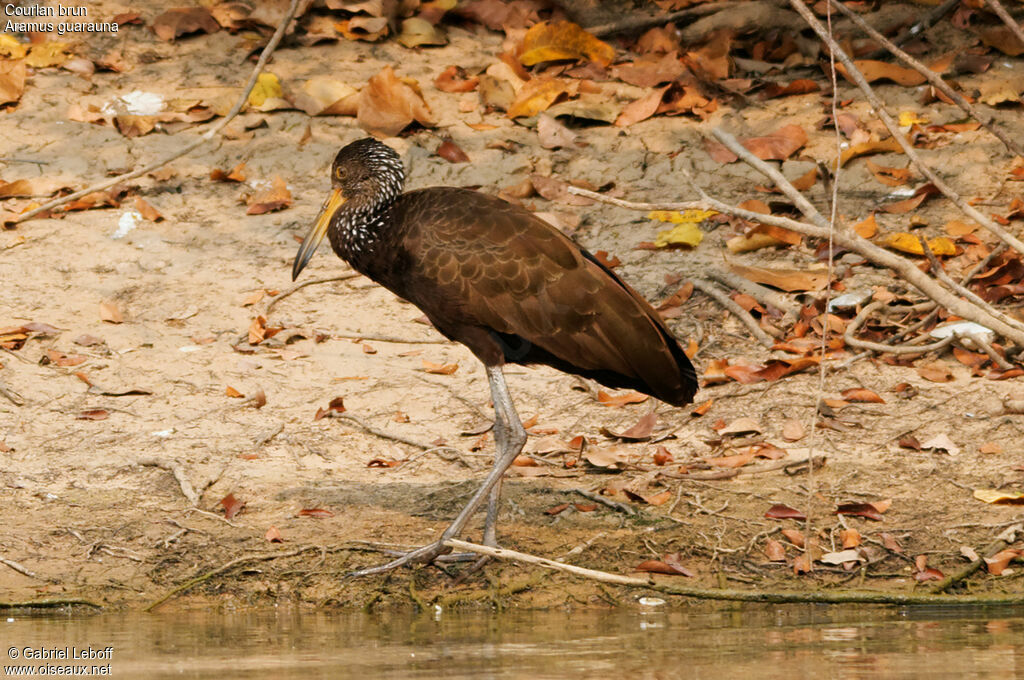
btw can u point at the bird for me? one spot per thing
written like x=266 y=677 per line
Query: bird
x=503 y=282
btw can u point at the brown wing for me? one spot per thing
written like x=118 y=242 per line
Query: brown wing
x=512 y=288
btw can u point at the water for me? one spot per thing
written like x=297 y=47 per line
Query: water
x=734 y=642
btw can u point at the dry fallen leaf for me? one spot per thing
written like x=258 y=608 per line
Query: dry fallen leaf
x=439 y=369
x=774 y=550
x=388 y=104
x=787 y=279
x=621 y=399
x=275 y=197
x=178 y=22
x=554 y=41
x=12 y=80
x=273 y=535
x=780 y=511
x=451 y=152
x=232 y=506
x=111 y=313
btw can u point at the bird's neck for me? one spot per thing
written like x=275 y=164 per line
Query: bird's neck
x=359 y=227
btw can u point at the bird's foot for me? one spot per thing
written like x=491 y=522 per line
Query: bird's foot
x=425 y=554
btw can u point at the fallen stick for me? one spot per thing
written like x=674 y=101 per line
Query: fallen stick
x=175 y=469
x=730 y=305
x=188 y=148
x=986 y=119
x=764 y=295
x=50 y=604
x=850 y=339
x=21 y=569
x=1001 y=543
x=854 y=74
x=819 y=596
x=1014 y=27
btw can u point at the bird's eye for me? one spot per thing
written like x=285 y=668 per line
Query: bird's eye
x=339 y=173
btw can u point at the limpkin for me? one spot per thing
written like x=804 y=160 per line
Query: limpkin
x=504 y=283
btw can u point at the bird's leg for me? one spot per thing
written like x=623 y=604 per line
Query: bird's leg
x=509 y=437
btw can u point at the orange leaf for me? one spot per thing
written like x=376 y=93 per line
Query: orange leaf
x=109 y=312
x=537 y=95
x=621 y=399
x=867 y=227
x=862 y=395
x=553 y=41
x=439 y=369
x=232 y=392
x=273 y=535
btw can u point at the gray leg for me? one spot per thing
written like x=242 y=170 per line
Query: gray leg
x=509 y=437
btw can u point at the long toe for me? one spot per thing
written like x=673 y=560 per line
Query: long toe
x=426 y=554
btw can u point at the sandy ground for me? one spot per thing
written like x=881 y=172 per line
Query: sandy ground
x=83 y=515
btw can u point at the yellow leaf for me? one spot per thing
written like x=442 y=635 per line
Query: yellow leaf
x=10 y=47
x=867 y=227
x=1003 y=497
x=563 y=40
x=267 y=87
x=683 y=234
x=536 y=96
x=908 y=118
x=676 y=217
x=47 y=54
x=908 y=243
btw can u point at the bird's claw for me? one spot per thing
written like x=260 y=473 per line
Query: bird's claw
x=425 y=554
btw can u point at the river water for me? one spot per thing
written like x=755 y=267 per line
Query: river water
x=634 y=643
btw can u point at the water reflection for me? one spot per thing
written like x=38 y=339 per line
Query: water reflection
x=784 y=642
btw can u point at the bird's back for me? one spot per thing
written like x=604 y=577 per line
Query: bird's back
x=512 y=288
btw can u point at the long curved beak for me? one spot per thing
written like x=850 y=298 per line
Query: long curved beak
x=317 y=233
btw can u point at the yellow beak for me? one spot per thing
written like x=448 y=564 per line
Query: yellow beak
x=317 y=233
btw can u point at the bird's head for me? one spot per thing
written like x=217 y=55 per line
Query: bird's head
x=366 y=176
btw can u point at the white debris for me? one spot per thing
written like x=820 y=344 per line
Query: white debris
x=651 y=601
x=849 y=300
x=135 y=103
x=902 y=192
x=965 y=330
x=126 y=223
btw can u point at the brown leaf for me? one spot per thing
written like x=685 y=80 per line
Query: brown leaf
x=990 y=448
x=616 y=457
x=557 y=509
x=664 y=567
x=850 y=538
x=663 y=456
x=388 y=104
x=650 y=71
x=862 y=395
x=868 y=510
x=794 y=536
x=640 y=431
x=232 y=392
x=273 y=535
x=884 y=70
x=998 y=562
x=12 y=80
x=64 y=360
x=890 y=543
x=1003 y=39
x=774 y=550
x=777 y=146
x=439 y=369
x=451 y=152
x=275 y=197
x=552 y=134
x=236 y=174
x=336 y=405
x=86 y=340
x=232 y=506
x=177 y=22
x=318 y=513
x=793 y=430
x=889 y=145
x=93 y=414
x=802 y=564
x=641 y=109
x=109 y=312
x=787 y=279
x=936 y=371
x=621 y=399
x=799 y=86
x=892 y=177
x=554 y=41
x=780 y=511
x=383 y=463
x=455 y=79
x=735 y=461
x=147 y=211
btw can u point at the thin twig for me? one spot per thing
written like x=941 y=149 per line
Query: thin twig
x=245 y=559
x=399 y=438
x=299 y=286
x=614 y=505
x=1014 y=27
x=760 y=293
x=820 y=596
x=983 y=344
x=11 y=395
x=637 y=23
x=850 y=338
x=174 y=467
x=926 y=22
x=959 y=289
x=986 y=119
x=391 y=338
x=1001 y=543
x=880 y=256
x=853 y=73
x=21 y=569
x=188 y=148
x=53 y=603
x=719 y=296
